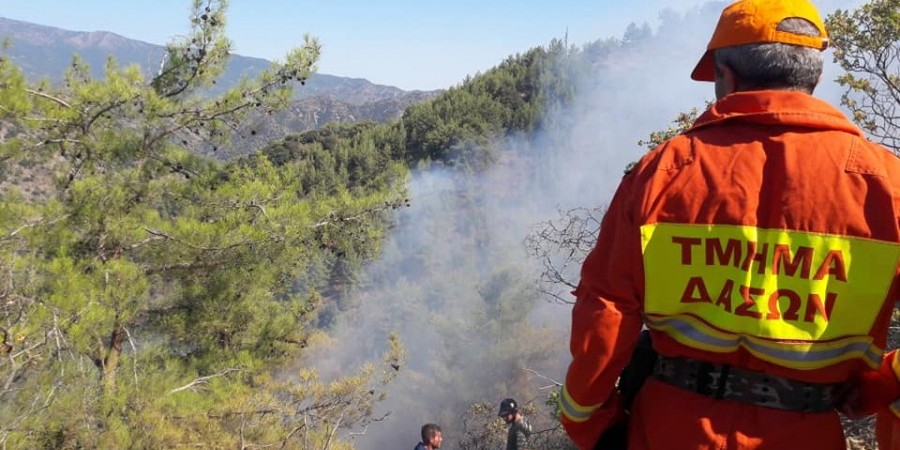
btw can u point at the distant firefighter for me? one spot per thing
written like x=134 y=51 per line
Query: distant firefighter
x=518 y=429
x=431 y=437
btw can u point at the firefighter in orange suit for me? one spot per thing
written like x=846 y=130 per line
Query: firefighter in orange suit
x=760 y=248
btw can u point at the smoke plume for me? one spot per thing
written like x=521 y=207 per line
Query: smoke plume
x=455 y=281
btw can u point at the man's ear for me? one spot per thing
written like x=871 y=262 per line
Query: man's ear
x=726 y=81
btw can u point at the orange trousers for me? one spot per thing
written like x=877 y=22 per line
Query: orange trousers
x=669 y=418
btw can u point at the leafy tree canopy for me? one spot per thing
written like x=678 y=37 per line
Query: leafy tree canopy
x=867 y=47
x=153 y=298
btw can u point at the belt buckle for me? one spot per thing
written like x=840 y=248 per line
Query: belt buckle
x=711 y=379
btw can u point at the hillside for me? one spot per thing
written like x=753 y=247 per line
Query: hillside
x=154 y=298
x=46 y=52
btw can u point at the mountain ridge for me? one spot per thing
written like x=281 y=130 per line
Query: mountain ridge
x=45 y=52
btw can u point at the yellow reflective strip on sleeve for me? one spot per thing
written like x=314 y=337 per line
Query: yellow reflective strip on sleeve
x=895 y=408
x=574 y=411
x=895 y=365
x=767 y=283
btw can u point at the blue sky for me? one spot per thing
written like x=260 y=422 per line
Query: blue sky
x=421 y=44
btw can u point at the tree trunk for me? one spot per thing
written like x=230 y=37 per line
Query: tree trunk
x=111 y=360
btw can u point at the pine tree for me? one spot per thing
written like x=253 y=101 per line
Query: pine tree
x=151 y=297
x=867 y=47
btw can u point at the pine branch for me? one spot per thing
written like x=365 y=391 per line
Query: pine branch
x=202 y=381
x=48 y=97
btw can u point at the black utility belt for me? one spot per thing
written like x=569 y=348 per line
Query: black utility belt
x=726 y=382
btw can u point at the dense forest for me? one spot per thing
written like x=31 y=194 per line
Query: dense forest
x=334 y=289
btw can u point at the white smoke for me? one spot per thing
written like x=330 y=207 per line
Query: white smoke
x=437 y=282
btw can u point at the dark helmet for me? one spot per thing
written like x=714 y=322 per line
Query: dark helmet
x=508 y=406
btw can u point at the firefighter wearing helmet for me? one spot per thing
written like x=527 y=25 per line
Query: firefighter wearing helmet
x=518 y=429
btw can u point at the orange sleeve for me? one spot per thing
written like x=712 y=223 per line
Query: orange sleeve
x=887 y=422
x=586 y=434
x=877 y=390
x=606 y=322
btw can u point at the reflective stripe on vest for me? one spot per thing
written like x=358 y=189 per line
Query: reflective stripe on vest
x=574 y=411
x=797 y=299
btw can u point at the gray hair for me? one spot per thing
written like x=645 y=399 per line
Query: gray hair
x=776 y=65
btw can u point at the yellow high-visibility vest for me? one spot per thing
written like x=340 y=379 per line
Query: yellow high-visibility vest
x=798 y=299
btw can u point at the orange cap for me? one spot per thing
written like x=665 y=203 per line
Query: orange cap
x=756 y=22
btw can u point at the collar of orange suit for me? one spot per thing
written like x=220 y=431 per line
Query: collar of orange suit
x=791 y=108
